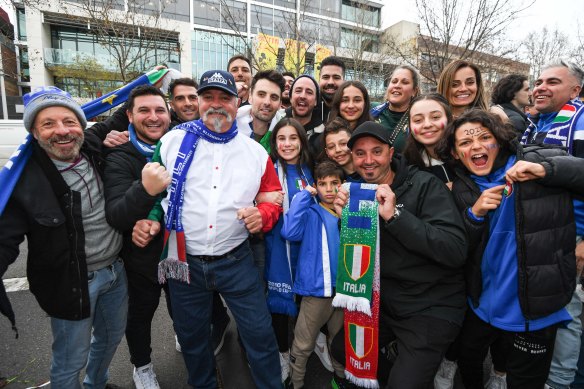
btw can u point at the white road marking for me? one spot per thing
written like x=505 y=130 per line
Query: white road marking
x=15 y=284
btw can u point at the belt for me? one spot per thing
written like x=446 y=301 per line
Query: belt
x=212 y=258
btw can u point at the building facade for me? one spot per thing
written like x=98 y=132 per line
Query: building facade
x=90 y=47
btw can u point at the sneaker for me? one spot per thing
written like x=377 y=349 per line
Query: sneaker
x=321 y=350
x=218 y=335
x=496 y=381
x=145 y=378
x=177 y=344
x=285 y=365
x=342 y=383
x=444 y=378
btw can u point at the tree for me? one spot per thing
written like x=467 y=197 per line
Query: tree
x=296 y=33
x=456 y=29
x=543 y=45
x=131 y=32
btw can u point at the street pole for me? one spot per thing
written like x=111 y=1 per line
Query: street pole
x=3 y=92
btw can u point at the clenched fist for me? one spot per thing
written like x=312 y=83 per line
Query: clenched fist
x=155 y=178
x=252 y=218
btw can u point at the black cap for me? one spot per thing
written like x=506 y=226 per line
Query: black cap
x=373 y=129
x=217 y=79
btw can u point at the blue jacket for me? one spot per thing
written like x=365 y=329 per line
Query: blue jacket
x=312 y=225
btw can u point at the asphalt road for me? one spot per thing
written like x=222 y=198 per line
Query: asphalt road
x=25 y=361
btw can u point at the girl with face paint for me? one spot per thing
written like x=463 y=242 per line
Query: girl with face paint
x=518 y=280
x=428 y=117
x=289 y=152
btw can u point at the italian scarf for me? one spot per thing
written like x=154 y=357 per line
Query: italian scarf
x=562 y=131
x=358 y=283
x=173 y=262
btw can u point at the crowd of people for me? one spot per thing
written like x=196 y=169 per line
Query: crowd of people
x=228 y=195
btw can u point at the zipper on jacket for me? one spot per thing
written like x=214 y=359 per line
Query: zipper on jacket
x=75 y=251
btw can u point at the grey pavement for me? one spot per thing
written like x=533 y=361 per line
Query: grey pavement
x=25 y=361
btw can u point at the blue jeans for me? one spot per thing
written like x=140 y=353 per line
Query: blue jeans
x=237 y=279
x=567 y=348
x=91 y=342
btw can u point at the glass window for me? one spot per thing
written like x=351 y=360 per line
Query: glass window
x=21 y=23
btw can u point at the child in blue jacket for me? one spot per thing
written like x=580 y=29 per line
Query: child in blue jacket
x=316 y=227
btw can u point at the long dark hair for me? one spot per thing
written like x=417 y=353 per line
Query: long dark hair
x=336 y=104
x=304 y=157
x=413 y=149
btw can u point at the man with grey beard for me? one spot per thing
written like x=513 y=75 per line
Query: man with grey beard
x=207 y=216
x=73 y=268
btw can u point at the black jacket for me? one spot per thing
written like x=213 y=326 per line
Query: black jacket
x=545 y=230
x=43 y=208
x=127 y=202
x=423 y=250
x=517 y=118
x=174 y=120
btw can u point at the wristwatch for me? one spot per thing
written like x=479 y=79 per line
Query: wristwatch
x=396 y=213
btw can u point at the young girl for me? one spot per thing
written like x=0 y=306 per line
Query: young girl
x=289 y=151
x=517 y=208
x=428 y=117
x=336 y=135
x=462 y=85
x=403 y=86
x=351 y=102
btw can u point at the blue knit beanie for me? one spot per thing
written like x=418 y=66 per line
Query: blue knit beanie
x=49 y=96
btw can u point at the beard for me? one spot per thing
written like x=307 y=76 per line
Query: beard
x=64 y=155
x=217 y=123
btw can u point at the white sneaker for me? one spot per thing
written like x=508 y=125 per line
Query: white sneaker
x=321 y=350
x=444 y=378
x=285 y=365
x=496 y=381
x=177 y=344
x=145 y=378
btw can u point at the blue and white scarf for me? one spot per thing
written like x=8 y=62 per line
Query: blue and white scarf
x=10 y=173
x=376 y=111
x=145 y=149
x=173 y=262
x=562 y=130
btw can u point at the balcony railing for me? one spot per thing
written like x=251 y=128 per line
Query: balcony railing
x=65 y=57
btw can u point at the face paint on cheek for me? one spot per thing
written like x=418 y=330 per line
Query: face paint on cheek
x=280 y=146
x=298 y=147
x=416 y=130
x=462 y=155
x=493 y=146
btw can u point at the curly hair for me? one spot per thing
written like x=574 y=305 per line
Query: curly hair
x=504 y=91
x=504 y=133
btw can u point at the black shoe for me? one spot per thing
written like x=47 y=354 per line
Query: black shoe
x=218 y=335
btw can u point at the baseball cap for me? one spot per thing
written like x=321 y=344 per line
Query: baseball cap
x=217 y=79
x=369 y=128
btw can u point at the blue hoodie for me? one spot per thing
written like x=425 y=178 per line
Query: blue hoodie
x=499 y=302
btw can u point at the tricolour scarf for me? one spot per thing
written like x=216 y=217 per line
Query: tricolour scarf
x=562 y=130
x=173 y=262
x=279 y=270
x=11 y=171
x=358 y=283
x=143 y=148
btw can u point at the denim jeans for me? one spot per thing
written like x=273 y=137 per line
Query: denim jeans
x=567 y=348
x=91 y=342
x=236 y=278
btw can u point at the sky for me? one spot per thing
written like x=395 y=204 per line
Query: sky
x=550 y=13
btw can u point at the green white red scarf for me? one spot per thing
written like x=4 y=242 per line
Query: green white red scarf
x=358 y=283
